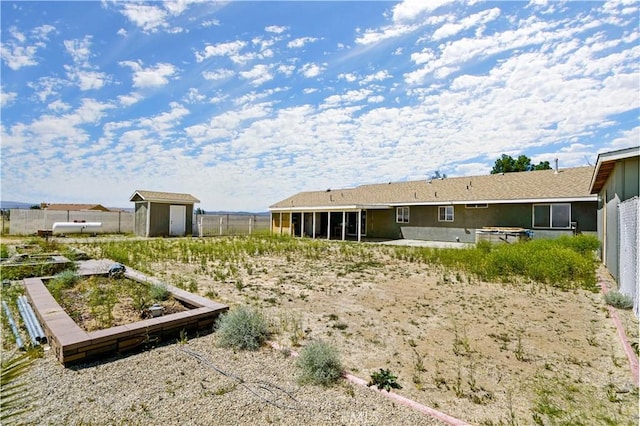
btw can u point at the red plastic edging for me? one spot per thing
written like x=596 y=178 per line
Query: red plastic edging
x=628 y=350
x=394 y=396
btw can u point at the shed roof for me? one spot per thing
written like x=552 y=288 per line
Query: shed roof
x=76 y=207
x=163 y=197
x=571 y=184
x=605 y=164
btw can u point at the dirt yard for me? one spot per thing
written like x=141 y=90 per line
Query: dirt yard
x=483 y=352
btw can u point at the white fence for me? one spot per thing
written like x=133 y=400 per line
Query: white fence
x=629 y=238
x=229 y=224
x=27 y=221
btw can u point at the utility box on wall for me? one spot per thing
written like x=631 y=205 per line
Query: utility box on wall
x=162 y=214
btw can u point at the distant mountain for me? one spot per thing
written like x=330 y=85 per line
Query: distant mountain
x=5 y=205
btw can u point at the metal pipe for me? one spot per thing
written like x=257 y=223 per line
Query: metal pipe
x=28 y=319
x=27 y=322
x=12 y=323
x=40 y=336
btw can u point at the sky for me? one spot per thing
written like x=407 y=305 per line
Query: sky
x=243 y=104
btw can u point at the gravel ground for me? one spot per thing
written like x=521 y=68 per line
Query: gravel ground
x=170 y=385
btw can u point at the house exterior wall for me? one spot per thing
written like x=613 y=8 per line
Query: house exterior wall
x=382 y=224
x=424 y=224
x=621 y=185
x=140 y=219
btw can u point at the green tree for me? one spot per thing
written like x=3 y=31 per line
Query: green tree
x=508 y=164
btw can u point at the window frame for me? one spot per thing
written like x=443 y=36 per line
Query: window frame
x=402 y=214
x=476 y=206
x=550 y=216
x=445 y=217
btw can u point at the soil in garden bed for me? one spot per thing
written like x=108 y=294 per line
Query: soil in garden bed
x=98 y=302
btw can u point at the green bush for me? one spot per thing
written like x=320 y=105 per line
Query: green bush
x=159 y=292
x=62 y=281
x=618 y=300
x=319 y=364
x=242 y=328
x=384 y=379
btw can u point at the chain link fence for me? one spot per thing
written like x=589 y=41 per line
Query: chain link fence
x=629 y=238
x=230 y=224
x=29 y=222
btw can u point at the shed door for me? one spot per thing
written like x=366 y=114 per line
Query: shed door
x=177 y=220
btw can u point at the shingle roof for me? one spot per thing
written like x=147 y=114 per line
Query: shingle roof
x=163 y=197
x=566 y=184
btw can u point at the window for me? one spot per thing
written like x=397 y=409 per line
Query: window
x=445 y=214
x=402 y=215
x=552 y=216
x=476 y=206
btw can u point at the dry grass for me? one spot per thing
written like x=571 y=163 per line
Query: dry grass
x=484 y=352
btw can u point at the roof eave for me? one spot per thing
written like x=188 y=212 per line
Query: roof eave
x=493 y=201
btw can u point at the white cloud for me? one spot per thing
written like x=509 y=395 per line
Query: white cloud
x=258 y=75
x=627 y=139
x=350 y=97
x=87 y=80
x=130 y=99
x=311 y=70
x=59 y=106
x=222 y=49
x=147 y=17
x=377 y=76
x=219 y=74
x=79 y=50
x=387 y=32
x=155 y=76
x=193 y=96
x=19 y=51
x=46 y=87
x=276 y=29
x=350 y=77
x=211 y=23
x=7 y=98
x=166 y=121
x=453 y=28
x=411 y=10
x=301 y=42
x=286 y=69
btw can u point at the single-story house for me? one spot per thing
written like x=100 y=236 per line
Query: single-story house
x=616 y=181
x=74 y=207
x=547 y=202
x=162 y=214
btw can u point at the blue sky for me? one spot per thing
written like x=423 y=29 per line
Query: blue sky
x=245 y=103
